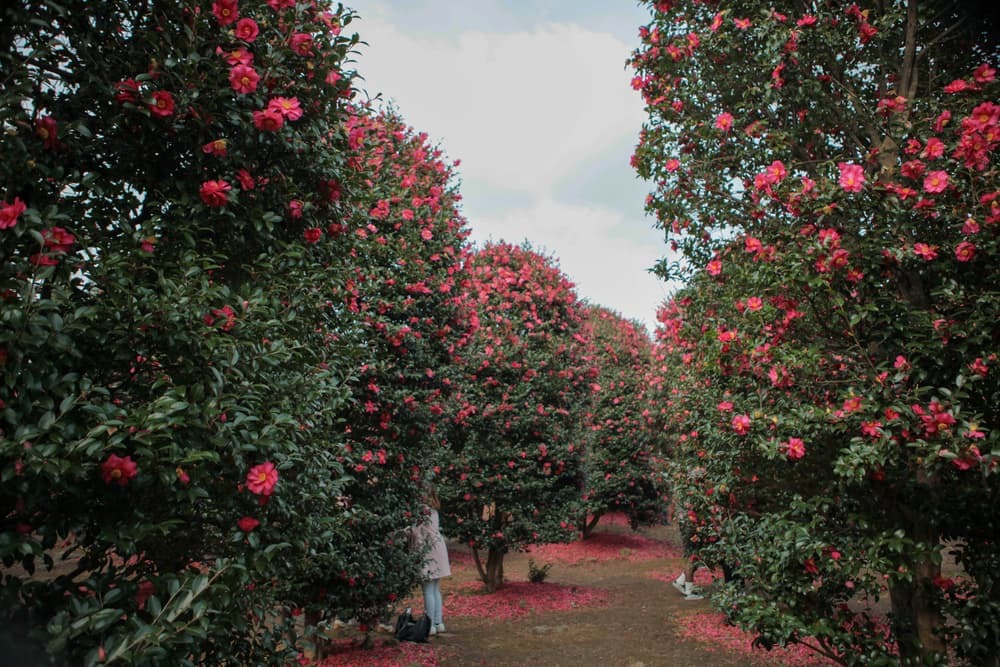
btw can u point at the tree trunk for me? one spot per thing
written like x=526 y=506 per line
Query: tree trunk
x=492 y=573
x=587 y=527
x=915 y=616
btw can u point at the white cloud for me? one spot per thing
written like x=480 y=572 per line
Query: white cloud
x=525 y=111
x=519 y=109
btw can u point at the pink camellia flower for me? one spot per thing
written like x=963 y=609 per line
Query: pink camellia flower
x=754 y=303
x=776 y=171
x=295 y=209
x=118 y=469
x=984 y=74
x=943 y=119
x=852 y=176
x=794 y=448
x=313 y=234
x=213 y=193
x=925 y=251
x=714 y=267
x=724 y=121
x=672 y=165
x=9 y=213
x=268 y=120
x=47 y=130
x=262 y=479
x=163 y=104
x=247 y=523
x=936 y=181
x=243 y=79
x=225 y=11
x=247 y=30
x=742 y=24
x=741 y=424
x=278 y=5
x=957 y=86
x=970 y=226
x=965 y=251
x=852 y=404
x=301 y=43
x=288 y=107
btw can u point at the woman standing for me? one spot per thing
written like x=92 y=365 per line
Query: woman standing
x=427 y=535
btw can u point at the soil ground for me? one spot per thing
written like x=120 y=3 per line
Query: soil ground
x=640 y=626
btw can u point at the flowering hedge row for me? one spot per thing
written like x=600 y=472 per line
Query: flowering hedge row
x=170 y=393
x=240 y=324
x=827 y=178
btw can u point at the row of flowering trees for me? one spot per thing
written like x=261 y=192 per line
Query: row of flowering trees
x=827 y=176
x=242 y=325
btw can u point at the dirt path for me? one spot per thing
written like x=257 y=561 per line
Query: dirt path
x=642 y=622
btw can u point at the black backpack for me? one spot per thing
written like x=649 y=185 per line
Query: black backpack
x=409 y=629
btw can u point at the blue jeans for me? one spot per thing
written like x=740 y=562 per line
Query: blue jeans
x=432 y=601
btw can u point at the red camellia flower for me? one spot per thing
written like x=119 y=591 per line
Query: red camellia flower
x=246 y=179
x=213 y=193
x=247 y=523
x=57 y=239
x=313 y=234
x=301 y=43
x=47 y=130
x=965 y=251
x=225 y=11
x=127 y=91
x=268 y=120
x=247 y=30
x=243 y=78
x=145 y=591
x=118 y=469
x=9 y=213
x=262 y=479
x=235 y=57
x=162 y=104
x=216 y=148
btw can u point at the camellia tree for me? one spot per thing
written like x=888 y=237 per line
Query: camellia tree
x=406 y=237
x=827 y=174
x=511 y=475
x=616 y=460
x=170 y=397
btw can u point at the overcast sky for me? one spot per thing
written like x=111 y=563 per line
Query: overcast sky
x=533 y=97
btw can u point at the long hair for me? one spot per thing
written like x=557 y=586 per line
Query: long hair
x=430 y=494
